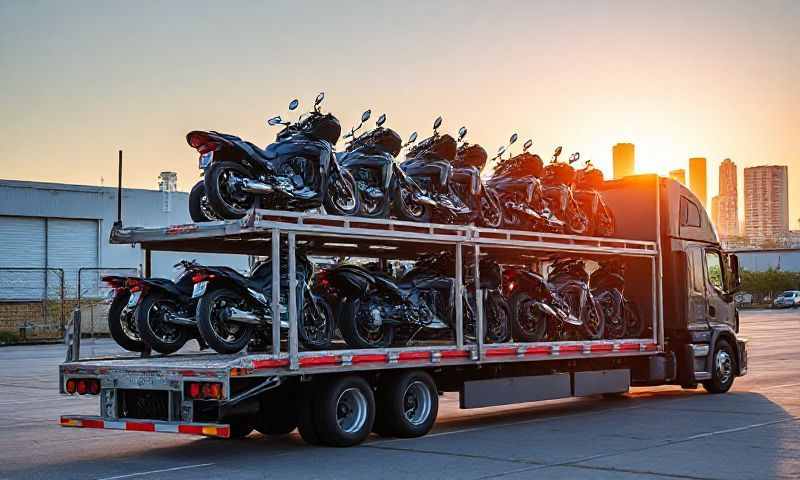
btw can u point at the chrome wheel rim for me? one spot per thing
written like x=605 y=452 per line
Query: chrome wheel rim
x=411 y=207
x=724 y=366
x=344 y=195
x=156 y=319
x=417 y=403
x=351 y=410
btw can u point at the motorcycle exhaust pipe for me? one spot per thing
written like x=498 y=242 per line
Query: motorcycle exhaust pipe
x=183 y=321
x=242 y=316
x=425 y=200
x=253 y=186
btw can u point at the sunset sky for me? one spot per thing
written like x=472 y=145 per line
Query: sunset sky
x=678 y=79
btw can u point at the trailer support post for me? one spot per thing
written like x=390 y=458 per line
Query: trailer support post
x=479 y=319
x=294 y=362
x=276 y=292
x=459 y=296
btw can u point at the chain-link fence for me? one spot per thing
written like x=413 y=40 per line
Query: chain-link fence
x=94 y=297
x=32 y=304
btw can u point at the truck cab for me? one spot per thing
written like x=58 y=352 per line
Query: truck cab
x=699 y=279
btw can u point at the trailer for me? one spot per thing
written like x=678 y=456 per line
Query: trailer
x=338 y=396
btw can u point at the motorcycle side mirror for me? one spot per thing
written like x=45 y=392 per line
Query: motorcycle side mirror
x=557 y=153
x=462 y=132
x=381 y=120
x=294 y=104
x=412 y=138
x=574 y=157
x=513 y=139
x=527 y=145
x=365 y=116
x=501 y=151
x=274 y=121
x=319 y=98
x=437 y=123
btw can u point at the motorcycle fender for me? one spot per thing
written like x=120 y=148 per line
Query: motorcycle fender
x=164 y=285
x=351 y=281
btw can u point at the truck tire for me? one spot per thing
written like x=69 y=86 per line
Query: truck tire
x=306 y=421
x=122 y=324
x=278 y=412
x=408 y=404
x=723 y=368
x=345 y=411
x=240 y=428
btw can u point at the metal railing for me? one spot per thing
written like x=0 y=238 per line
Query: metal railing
x=32 y=302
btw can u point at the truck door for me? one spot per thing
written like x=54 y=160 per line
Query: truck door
x=698 y=303
x=720 y=306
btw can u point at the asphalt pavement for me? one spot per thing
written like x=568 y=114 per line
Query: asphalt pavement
x=752 y=432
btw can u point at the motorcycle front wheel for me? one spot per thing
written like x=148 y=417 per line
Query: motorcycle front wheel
x=151 y=319
x=318 y=323
x=634 y=326
x=342 y=197
x=355 y=322
x=498 y=319
x=406 y=208
x=529 y=324
x=224 y=197
x=491 y=212
x=199 y=209
x=576 y=222
x=219 y=333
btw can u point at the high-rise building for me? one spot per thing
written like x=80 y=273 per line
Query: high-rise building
x=697 y=178
x=167 y=184
x=766 y=203
x=727 y=203
x=624 y=159
x=679 y=175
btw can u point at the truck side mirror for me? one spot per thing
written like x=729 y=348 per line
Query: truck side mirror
x=736 y=278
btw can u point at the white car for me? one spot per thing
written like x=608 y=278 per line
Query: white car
x=787 y=299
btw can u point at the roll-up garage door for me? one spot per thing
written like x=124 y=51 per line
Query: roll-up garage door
x=72 y=245
x=22 y=247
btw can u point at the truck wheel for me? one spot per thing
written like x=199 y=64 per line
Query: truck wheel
x=408 y=404
x=345 y=411
x=278 y=412
x=306 y=421
x=723 y=368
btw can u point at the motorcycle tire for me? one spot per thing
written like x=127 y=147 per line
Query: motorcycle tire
x=216 y=195
x=498 y=319
x=593 y=320
x=162 y=337
x=350 y=312
x=491 y=214
x=576 y=222
x=124 y=330
x=604 y=223
x=213 y=329
x=522 y=332
x=611 y=309
x=409 y=213
x=634 y=326
x=348 y=198
x=320 y=338
x=381 y=210
x=196 y=198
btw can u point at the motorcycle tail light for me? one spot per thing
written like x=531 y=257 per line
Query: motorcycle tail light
x=113 y=282
x=202 y=142
x=201 y=277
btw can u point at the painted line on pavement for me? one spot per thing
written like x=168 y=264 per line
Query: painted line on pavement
x=163 y=470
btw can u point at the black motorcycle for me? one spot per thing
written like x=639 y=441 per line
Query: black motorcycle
x=296 y=172
x=374 y=305
x=369 y=158
x=424 y=194
x=233 y=308
x=588 y=181
x=570 y=281
x=622 y=319
x=557 y=180
x=515 y=182
x=469 y=186
x=538 y=313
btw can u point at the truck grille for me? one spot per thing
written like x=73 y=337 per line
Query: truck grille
x=144 y=404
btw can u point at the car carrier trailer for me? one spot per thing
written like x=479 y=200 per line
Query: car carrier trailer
x=338 y=396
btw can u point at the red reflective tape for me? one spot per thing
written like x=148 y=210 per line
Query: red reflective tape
x=570 y=348
x=405 y=356
x=323 y=360
x=369 y=358
x=538 y=351
x=454 y=354
x=629 y=346
x=190 y=429
x=270 y=363
x=188 y=373
x=501 y=351
x=603 y=347
x=89 y=423
x=140 y=427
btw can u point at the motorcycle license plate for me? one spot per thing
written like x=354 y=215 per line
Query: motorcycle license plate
x=199 y=289
x=134 y=299
x=205 y=159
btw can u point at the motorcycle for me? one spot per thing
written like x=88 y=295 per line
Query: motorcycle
x=468 y=184
x=588 y=181
x=571 y=282
x=233 y=308
x=374 y=305
x=296 y=172
x=621 y=316
x=557 y=179
x=424 y=191
x=538 y=313
x=516 y=183
x=370 y=160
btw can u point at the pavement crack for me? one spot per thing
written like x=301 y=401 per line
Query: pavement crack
x=454 y=454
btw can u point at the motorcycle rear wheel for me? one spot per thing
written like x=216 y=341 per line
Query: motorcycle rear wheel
x=162 y=336
x=220 y=197
x=122 y=324
x=634 y=326
x=342 y=196
x=351 y=319
x=498 y=319
x=219 y=334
